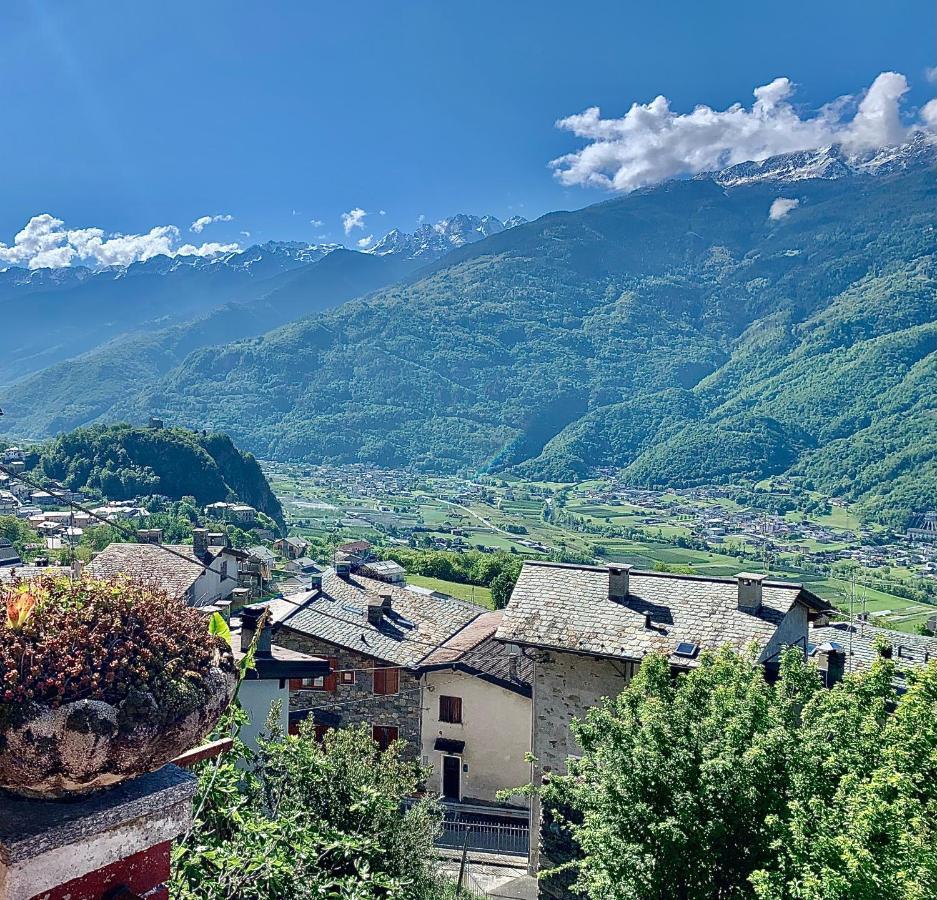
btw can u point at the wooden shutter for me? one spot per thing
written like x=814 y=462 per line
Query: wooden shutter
x=380 y=681
x=296 y=684
x=450 y=709
x=331 y=680
x=392 y=681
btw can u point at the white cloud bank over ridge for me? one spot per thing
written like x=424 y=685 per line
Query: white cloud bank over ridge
x=198 y=226
x=45 y=243
x=652 y=143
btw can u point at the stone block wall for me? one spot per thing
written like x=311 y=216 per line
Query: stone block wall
x=356 y=703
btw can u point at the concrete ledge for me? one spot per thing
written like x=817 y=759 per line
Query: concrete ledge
x=47 y=843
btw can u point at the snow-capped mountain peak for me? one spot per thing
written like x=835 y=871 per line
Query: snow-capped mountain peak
x=429 y=242
x=830 y=162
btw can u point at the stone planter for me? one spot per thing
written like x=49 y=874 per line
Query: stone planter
x=86 y=745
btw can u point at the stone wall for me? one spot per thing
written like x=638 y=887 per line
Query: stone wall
x=566 y=686
x=355 y=703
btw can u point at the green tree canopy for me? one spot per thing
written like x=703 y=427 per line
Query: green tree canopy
x=303 y=820
x=717 y=784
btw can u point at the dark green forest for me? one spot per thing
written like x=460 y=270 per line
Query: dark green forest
x=125 y=461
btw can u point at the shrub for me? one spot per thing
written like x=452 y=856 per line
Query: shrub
x=109 y=640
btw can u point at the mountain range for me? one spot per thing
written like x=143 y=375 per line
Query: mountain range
x=774 y=317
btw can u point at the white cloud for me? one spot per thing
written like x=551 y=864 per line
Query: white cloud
x=352 y=219
x=929 y=114
x=316 y=223
x=931 y=74
x=246 y=234
x=781 y=207
x=45 y=243
x=651 y=142
x=382 y=212
x=366 y=242
x=199 y=224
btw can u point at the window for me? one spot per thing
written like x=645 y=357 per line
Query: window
x=384 y=735
x=347 y=677
x=450 y=710
x=319 y=682
x=386 y=680
x=224 y=570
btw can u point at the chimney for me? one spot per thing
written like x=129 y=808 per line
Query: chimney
x=375 y=611
x=200 y=542
x=512 y=666
x=150 y=535
x=343 y=570
x=749 y=591
x=835 y=668
x=217 y=539
x=239 y=597
x=387 y=604
x=250 y=616
x=315 y=581
x=618 y=583
x=648 y=621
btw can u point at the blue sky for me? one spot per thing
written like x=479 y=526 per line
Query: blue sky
x=126 y=116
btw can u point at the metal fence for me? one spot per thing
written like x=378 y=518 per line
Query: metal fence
x=489 y=837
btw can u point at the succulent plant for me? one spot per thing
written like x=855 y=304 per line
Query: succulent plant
x=91 y=639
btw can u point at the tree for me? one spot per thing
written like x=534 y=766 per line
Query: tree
x=303 y=820
x=719 y=784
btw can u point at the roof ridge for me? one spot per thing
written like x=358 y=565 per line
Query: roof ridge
x=653 y=573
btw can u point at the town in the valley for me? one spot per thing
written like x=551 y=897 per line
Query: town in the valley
x=349 y=628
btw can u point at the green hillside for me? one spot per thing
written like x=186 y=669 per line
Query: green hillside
x=87 y=388
x=678 y=333
x=124 y=461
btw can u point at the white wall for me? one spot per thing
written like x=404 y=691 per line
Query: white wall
x=257 y=697
x=496 y=730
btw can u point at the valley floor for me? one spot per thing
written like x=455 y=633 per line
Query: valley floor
x=714 y=530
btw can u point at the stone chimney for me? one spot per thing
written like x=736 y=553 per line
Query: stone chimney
x=749 y=591
x=150 y=535
x=387 y=604
x=832 y=663
x=250 y=617
x=375 y=610
x=217 y=539
x=343 y=570
x=200 y=542
x=618 y=577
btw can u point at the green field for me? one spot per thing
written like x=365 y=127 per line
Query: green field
x=472 y=592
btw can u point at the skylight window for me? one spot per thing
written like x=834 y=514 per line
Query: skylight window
x=686 y=649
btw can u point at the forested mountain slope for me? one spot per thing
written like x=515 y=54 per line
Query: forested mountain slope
x=85 y=389
x=680 y=332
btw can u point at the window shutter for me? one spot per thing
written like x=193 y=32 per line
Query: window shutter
x=331 y=680
x=380 y=681
x=392 y=681
x=296 y=684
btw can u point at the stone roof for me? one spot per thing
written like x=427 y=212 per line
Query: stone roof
x=152 y=564
x=475 y=650
x=567 y=607
x=338 y=613
x=909 y=651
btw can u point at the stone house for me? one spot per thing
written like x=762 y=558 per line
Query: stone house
x=201 y=574
x=376 y=637
x=839 y=648
x=586 y=630
x=291 y=547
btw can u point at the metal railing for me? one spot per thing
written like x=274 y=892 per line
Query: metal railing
x=488 y=837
